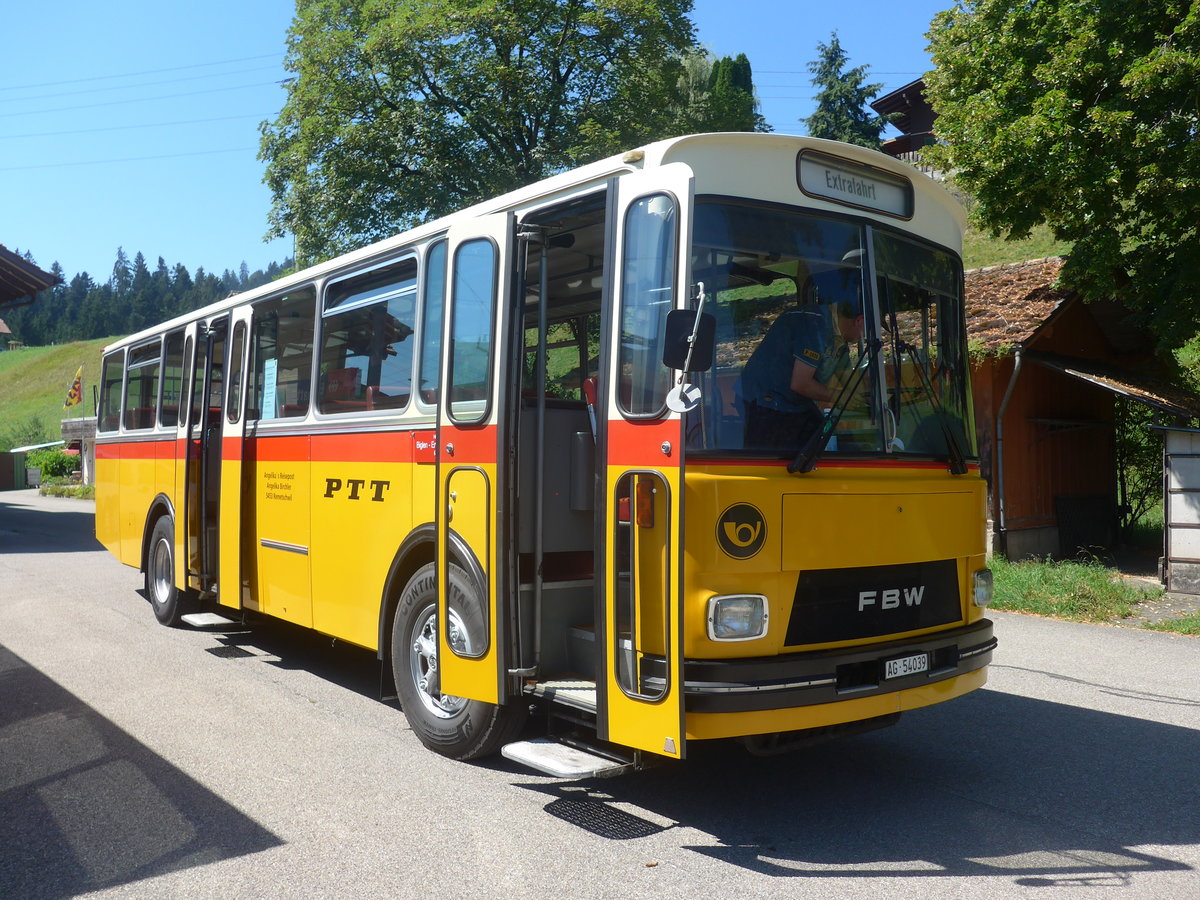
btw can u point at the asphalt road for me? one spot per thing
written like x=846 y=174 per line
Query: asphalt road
x=141 y=761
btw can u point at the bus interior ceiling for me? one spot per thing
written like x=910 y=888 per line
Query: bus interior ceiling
x=564 y=471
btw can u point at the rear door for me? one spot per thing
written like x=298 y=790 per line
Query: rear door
x=233 y=429
x=185 y=465
x=471 y=461
x=641 y=672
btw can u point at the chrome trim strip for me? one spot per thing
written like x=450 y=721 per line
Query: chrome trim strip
x=280 y=545
x=700 y=688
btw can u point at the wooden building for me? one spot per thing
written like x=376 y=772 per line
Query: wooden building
x=909 y=112
x=1047 y=367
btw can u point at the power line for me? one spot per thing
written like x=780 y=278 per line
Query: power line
x=104 y=162
x=235 y=87
x=808 y=72
x=129 y=127
x=223 y=62
x=125 y=87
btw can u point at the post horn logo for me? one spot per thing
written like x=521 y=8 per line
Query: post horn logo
x=741 y=531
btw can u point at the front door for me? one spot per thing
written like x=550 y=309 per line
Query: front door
x=472 y=464
x=641 y=453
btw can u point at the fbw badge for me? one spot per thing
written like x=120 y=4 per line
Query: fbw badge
x=741 y=530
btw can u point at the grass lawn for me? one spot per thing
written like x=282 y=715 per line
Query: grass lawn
x=1184 y=625
x=1076 y=591
x=34 y=382
x=1079 y=591
x=980 y=249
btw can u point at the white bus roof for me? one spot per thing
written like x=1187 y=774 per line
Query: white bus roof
x=713 y=158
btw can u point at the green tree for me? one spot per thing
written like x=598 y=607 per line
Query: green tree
x=842 y=113
x=731 y=104
x=1082 y=114
x=143 y=311
x=122 y=273
x=401 y=110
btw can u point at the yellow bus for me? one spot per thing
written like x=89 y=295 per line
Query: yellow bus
x=674 y=447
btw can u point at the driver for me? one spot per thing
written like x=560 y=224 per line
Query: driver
x=786 y=379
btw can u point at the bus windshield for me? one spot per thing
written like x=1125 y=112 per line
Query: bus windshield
x=804 y=343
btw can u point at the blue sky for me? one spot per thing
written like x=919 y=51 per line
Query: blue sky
x=135 y=124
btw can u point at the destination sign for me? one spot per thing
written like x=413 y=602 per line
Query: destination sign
x=843 y=181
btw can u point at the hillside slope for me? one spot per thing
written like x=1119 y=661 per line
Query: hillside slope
x=980 y=249
x=33 y=386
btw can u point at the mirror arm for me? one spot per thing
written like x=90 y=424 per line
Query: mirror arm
x=687 y=362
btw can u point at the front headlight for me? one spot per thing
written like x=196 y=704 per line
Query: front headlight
x=983 y=587
x=737 y=617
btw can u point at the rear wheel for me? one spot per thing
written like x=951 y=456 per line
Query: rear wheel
x=169 y=603
x=449 y=725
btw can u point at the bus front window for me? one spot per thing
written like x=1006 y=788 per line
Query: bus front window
x=787 y=291
x=924 y=350
x=798 y=345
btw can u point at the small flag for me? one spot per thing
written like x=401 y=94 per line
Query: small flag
x=75 y=394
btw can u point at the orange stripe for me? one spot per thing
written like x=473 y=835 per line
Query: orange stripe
x=134 y=450
x=386 y=446
x=231 y=449
x=283 y=448
x=640 y=443
x=471 y=445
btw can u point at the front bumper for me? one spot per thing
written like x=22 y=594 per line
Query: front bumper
x=827 y=676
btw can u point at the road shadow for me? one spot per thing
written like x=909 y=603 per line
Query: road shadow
x=30 y=523
x=294 y=648
x=990 y=784
x=87 y=807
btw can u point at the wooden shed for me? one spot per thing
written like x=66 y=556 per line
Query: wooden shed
x=1046 y=370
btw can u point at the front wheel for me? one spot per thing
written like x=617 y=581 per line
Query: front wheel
x=452 y=726
x=168 y=601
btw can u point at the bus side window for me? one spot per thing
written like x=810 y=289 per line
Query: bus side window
x=141 y=388
x=173 y=379
x=433 y=300
x=474 y=310
x=282 y=361
x=109 y=418
x=647 y=282
x=366 y=345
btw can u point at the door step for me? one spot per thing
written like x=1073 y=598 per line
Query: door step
x=575 y=692
x=206 y=620
x=562 y=761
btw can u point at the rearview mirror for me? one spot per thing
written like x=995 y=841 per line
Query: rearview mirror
x=683 y=334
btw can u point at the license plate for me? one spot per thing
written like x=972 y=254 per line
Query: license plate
x=906 y=665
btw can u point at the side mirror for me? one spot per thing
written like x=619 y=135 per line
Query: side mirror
x=688 y=343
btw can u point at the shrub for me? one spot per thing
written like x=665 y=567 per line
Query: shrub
x=53 y=462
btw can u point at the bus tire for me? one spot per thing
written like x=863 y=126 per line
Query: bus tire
x=452 y=726
x=168 y=602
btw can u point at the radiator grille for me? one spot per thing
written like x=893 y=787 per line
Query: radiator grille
x=847 y=604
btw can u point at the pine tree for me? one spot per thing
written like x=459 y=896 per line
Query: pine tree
x=731 y=102
x=842 y=113
x=142 y=312
x=122 y=274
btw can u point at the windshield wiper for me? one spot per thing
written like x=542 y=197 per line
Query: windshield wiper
x=806 y=458
x=954 y=451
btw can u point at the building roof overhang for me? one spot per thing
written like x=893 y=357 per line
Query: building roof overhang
x=20 y=280
x=1157 y=394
